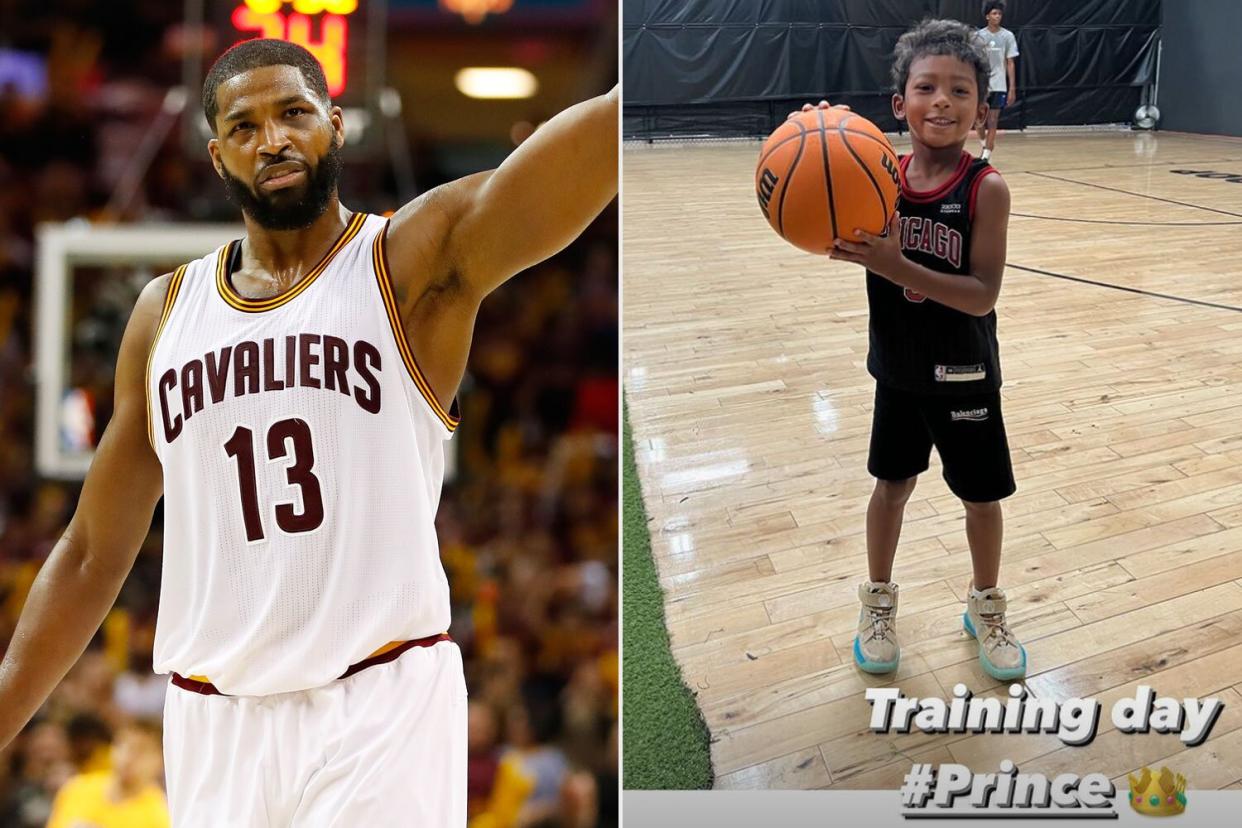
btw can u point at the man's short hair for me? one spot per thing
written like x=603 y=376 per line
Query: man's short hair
x=990 y=5
x=255 y=54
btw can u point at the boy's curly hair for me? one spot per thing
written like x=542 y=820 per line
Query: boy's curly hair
x=993 y=4
x=940 y=37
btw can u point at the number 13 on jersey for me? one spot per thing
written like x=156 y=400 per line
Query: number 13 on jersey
x=300 y=473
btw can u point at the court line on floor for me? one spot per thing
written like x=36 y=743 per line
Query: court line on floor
x=1198 y=162
x=1137 y=195
x=1133 y=223
x=1140 y=291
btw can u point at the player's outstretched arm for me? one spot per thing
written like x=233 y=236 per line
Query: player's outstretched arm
x=451 y=246
x=540 y=199
x=82 y=576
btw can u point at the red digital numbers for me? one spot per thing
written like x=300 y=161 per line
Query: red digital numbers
x=269 y=19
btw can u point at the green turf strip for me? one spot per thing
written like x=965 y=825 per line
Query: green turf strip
x=665 y=738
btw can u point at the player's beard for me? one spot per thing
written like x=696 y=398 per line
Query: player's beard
x=291 y=208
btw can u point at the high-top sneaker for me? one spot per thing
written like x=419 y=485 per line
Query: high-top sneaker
x=1000 y=653
x=875 y=647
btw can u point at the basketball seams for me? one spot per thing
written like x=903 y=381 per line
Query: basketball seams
x=823 y=146
x=881 y=140
x=863 y=166
x=780 y=207
x=870 y=136
x=780 y=221
x=801 y=134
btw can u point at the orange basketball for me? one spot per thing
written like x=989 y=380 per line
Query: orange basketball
x=824 y=174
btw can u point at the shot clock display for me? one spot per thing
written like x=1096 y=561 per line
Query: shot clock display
x=298 y=21
x=346 y=36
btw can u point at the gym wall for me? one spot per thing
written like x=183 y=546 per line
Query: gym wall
x=737 y=67
x=1201 y=67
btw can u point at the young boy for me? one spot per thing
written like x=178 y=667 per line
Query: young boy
x=1002 y=48
x=932 y=283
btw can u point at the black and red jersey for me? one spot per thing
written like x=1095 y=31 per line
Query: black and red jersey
x=918 y=345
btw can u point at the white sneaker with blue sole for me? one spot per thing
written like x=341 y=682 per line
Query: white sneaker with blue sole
x=1000 y=653
x=875 y=647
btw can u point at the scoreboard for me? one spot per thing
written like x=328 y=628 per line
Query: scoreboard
x=345 y=36
x=330 y=46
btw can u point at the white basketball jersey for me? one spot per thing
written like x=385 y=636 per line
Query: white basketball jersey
x=303 y=455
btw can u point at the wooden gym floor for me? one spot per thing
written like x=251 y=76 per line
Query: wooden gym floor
x=751 y=408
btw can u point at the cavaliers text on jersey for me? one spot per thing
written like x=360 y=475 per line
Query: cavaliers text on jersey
x=303 y=456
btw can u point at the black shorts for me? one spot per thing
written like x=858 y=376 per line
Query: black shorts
x=998 y=100
x=968 y=432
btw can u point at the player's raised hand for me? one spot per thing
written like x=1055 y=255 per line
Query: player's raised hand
x=812 y=107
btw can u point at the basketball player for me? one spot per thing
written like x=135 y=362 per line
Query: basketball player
x=289 y=394
x=932 y=284
x=1002 y=48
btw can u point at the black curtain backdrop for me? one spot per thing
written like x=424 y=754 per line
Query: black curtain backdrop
x=1201 y=75
x=725 y=68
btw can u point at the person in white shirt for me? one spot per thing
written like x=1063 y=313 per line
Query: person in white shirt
x=1002 y=48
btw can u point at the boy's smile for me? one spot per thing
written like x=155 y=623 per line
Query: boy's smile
x=941 y=101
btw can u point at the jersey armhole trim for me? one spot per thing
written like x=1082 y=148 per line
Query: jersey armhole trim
x=974 y=190
x=174 y=287
x=383 y=277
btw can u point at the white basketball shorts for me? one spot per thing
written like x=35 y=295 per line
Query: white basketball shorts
x=383 y=747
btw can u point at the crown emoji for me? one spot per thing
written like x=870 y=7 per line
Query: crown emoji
x=1162 y=795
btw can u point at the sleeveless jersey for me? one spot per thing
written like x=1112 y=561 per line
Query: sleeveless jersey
x=918 y=345
x=303 y=455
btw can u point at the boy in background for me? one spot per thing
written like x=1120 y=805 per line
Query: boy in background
x=1002 y=48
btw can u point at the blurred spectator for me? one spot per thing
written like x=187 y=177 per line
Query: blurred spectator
x=41 y=765
x=530 y=727
x=484 y=753
x=90 y=742
x=128 y=796
x=528 y=525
